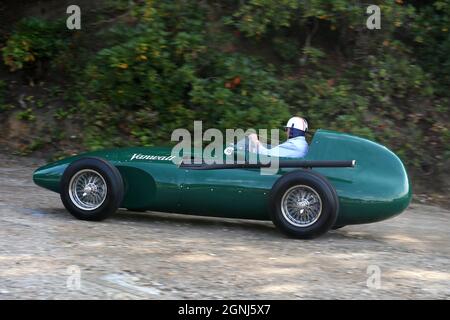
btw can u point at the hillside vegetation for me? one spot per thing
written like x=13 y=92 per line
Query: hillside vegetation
x=139 y=69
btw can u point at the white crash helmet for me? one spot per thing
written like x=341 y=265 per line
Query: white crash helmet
x=297 y=123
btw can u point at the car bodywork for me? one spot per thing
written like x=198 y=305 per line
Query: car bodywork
x=375 y=189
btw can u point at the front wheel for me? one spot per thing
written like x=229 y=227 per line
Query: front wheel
x=91 y=189
x=303 y=204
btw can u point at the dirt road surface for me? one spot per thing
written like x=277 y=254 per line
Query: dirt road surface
x=47 y=254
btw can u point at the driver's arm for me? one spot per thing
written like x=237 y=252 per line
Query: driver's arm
x=285 y=149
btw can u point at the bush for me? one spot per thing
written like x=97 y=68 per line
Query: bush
x=431 y=36
x=2 y=93
x=160 y=81
x=33 y=41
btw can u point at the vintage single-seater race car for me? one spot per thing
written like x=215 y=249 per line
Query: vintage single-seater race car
x=342 y=180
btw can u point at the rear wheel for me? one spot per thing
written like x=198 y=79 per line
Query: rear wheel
x=91 y=189
x=303 y=204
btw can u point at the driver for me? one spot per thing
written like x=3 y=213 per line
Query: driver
x=295 y=145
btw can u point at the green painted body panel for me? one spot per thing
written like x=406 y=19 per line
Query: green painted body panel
x=376 y=189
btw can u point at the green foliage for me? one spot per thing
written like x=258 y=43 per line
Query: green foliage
x=431 y=36
x=26 y=115
x=329 y=103
x=2 y=94
x=34 y=40
x=314 y=55
x=255 y=17
x=167 y=80
x=286 y=48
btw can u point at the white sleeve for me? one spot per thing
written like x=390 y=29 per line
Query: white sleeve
x=285 y=149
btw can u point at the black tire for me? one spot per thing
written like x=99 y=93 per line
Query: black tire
x=328 y=197
x=114 y=184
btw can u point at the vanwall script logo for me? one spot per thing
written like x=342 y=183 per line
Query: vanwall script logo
x=140 y=156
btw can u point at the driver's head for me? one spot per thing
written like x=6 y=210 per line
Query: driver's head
x=296 y=127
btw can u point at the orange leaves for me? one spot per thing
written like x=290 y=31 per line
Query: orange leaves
x=233 y=83
x=142 y=57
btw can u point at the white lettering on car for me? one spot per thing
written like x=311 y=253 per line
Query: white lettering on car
x=140 y=156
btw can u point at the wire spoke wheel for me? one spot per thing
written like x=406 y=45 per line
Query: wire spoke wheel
x=87 y=189
x=301 y=206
